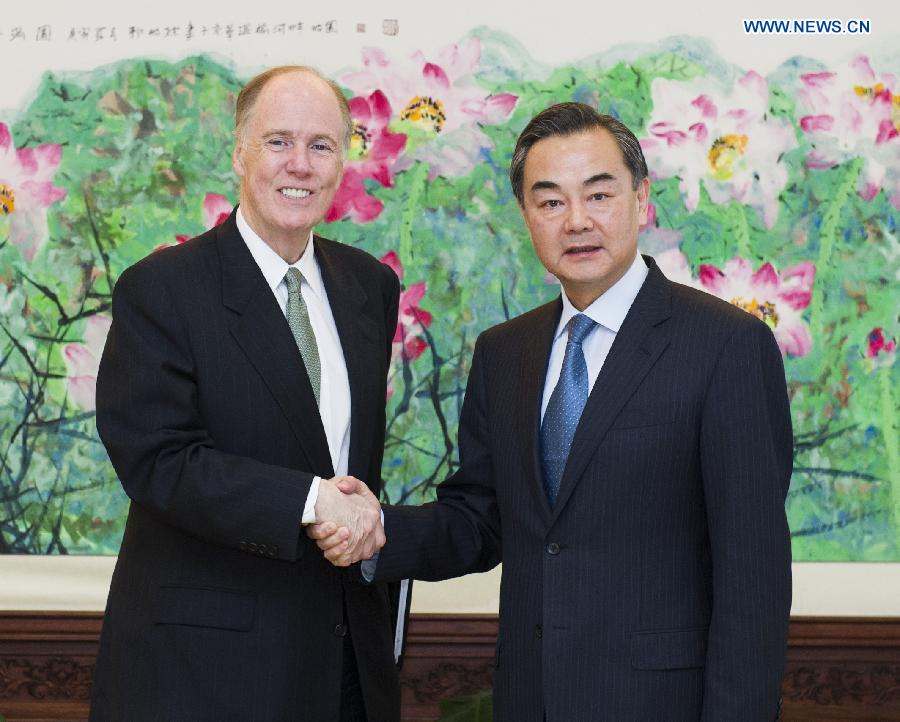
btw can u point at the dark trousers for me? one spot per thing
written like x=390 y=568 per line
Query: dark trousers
x=353 y=707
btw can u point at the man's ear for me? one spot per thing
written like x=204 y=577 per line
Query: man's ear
x=237 y=160
x=643 y=194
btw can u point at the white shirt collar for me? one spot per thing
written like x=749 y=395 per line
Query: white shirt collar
x=274 y=267
x=610 y=309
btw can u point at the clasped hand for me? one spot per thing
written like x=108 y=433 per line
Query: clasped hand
x=349 y=521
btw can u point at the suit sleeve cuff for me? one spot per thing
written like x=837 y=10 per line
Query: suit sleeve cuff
x=309 y=509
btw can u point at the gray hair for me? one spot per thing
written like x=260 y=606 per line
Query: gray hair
x=568 y=119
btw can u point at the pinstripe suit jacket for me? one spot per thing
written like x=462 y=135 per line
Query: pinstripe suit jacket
x=658 y=586
x=220 y=608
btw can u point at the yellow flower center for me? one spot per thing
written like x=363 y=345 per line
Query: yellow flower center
x=865 y=91
x=359 y=141
x=426 y=112
x=764 y=311
x=7 y=199
x=725 y=152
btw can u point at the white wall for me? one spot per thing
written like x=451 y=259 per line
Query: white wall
x=564 y=31
x=81 y=584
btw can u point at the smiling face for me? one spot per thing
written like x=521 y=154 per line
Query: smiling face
x=582 y=212
x=289 y=156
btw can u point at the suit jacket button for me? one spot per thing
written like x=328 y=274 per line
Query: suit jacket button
x=340 y=630
x=242 y=546
x=553 y=548
x=252 y=546
x=538 y=631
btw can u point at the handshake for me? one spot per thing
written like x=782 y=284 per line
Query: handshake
x=348 y=527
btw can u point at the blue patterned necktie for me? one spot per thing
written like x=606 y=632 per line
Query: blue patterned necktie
x=565 y=406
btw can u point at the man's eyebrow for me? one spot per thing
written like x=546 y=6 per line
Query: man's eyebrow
x=544 y=185
x=290 y=134
x=596 y=178
x=599 y=178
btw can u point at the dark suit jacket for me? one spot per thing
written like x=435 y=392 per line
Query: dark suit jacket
x=220 y=607
x=658 y=586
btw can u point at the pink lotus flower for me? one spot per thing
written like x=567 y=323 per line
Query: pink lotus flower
x=854 y=113
x=775 y=298
x=725 y=139
x=438 y=104
x=412 y=321
x=82 y=362
x=216 y=209
x=373 y=151
x=26 y=191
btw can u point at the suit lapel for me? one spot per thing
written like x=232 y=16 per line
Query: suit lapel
x=637 y=346
x=535 y=357
x=363 y=350
x=260 y=329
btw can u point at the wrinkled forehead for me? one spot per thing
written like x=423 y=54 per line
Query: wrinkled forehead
x=586 y=156
x=299 y=97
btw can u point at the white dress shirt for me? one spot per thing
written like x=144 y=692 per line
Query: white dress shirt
x=609 y=312
x=334 y=388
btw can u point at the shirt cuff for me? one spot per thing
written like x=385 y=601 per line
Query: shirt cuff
x=367 y=567
x=309 y=509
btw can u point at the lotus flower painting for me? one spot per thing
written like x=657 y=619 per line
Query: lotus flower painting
x=776 y=190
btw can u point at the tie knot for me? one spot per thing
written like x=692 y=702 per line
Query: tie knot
x=579 y=327
x=293 y=278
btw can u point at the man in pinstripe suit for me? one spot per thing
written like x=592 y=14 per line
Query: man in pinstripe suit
x=224 y=400
x=626 y=451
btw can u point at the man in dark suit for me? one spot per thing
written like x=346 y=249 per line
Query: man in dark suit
x=626 y=451
x=224 y=400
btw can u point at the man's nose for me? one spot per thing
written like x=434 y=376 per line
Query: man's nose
x=577 y=218
x=298 y=160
